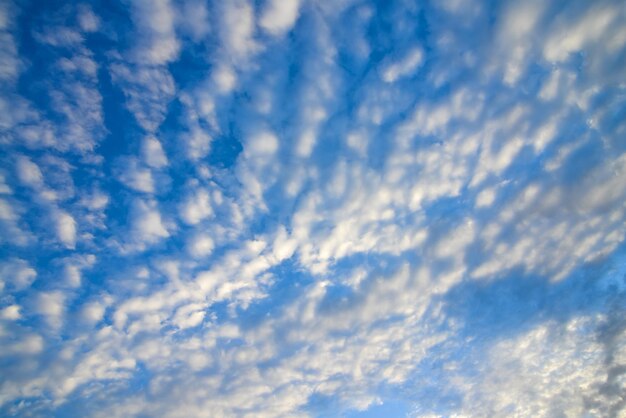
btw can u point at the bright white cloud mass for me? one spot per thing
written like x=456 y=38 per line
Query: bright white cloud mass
x=307 y=208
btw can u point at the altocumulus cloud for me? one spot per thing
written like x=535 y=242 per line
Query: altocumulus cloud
x=305 y=208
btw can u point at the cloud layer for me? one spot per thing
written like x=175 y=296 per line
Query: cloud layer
x=302 y=208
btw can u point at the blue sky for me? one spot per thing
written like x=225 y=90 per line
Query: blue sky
x=278 y=208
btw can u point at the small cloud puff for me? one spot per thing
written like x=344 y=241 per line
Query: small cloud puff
x=136 y=176
x=279 y=16
x=29 y=173
x=51 y=305
x=87 y=20
x=66 y=229
x=197 y=207
x=17 y=273
x=147 y=225
x=200 y=245
x=404 y=67
x=156 y=22
x=152 y=153
x=11 y=313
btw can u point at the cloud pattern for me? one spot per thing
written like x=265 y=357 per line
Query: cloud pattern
x=308 y=208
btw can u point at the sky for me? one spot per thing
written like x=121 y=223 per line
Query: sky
x=312 y=208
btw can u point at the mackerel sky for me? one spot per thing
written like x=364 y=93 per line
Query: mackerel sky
x=324 y=208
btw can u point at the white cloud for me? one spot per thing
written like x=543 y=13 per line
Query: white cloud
x=27 y=344
x=87 y=20
x=65 y=229
x=197 y=110
x=548 y=236
x=10 y=63
x=261 y=144
x=306 y=143
x=136 y=176
x=93 y=312
x=225 y=79
x=97 y=201
x=198 y=143
x=404 y=67
x=193 y=18
x=453 y=244
x=4 y=187
x=329 y=261
x=79 y=64
x=358 y=141
x=158 y=43
x=486 y=197
x=517 y=35
x=189 y=316
x=197 y=207
x=148 y=90
x=147 y=224
x=6 y=211
x=237 y=28
x=279 y=16
x=200 y=245
x=60 y=37
x=72 y=275
x=80 y=103
x=11 y=313
x=152 y=153
x=549 y=368
x=284 y=246
x=571 y=36
x=17 y=273
x=52 y=306
x=29 y=173
x=72 y=95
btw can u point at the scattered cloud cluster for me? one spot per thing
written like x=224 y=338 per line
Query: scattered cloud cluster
x=298 y=208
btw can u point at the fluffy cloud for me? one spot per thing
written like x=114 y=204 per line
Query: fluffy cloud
x=66 y=229
x=11 y=312
x=279 y=16
x=156 y=22
x=153 y=154
x=6 y=212
x=147 y=224
x=87 y=20
x=550 y=369
x=29 y=173
x=17 y=273
x=201 y=245
x=197 y=207
x=404 y=67
x=10 y=67
x=237 y=29
x=136 y=176
x=51 y=305
x=93 y=312
x=148 y=90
